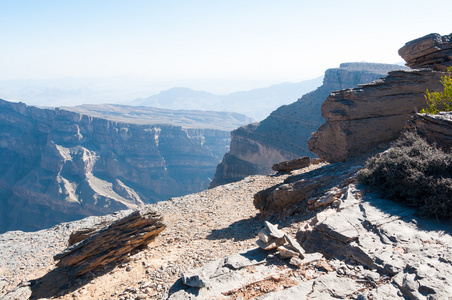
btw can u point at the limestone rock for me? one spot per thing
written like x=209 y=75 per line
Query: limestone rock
x=113 y=242
x=297 y=192
x=431 y=51
x=360 y=119
x=291 y=165
x=388 y=238
x=66 y=165
x=284 y=134
x=436 y=129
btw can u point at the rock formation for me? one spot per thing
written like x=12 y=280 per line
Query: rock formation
x=57 y=165
x=283 y=135
x=432 y=51
x=435 y=129
x=105 y=244
x=359 y=119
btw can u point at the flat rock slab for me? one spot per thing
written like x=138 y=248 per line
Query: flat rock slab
x=224 y=275
x=381 y=235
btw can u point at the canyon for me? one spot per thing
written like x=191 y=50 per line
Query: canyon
x=309 y=233
x=59 y=165
x=284 y=134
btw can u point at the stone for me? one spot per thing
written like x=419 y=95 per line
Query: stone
x=112 y=243
x=283 y=135
x=270 y=237
x=22 y=292
x=286 y=252
x=290 y=165
x=432 y=51
x=435 y=129
x=293 y=195
x=358 y=120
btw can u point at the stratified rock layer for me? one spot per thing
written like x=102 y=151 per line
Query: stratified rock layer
x=359 y=119
x=112 y=243
x=432 y=51
x=435 y=129
x=57 y=165
x=284 y=134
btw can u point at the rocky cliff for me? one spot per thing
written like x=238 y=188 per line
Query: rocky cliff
x=58 y=165
x=359 y=119
x=284 y=134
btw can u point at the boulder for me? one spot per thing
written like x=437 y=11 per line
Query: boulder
x=436 y=129
x=290 y=165
x=431 y=51
x=310 y=189
x=112 y=243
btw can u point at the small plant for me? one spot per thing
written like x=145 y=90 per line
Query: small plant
x=415 y=173
x=440 y=101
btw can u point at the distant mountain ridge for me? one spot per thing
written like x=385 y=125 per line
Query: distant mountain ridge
x=63 y=164
x=256 y=103
x=284 y=134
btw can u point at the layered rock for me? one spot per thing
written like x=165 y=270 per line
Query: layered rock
x=284 y=134
x=432 y=51
x=110 y=243
x=435 y=129
x=359 y=119
x=57 y=165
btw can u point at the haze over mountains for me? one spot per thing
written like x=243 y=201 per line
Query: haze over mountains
x=256 y=103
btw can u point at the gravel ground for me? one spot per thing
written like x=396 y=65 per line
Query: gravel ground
x=201 y=228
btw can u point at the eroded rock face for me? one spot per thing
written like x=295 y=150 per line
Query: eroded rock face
x=432 y=51
x=359 y=119
x=435 y=129
x=57 y=165
x=284 y=134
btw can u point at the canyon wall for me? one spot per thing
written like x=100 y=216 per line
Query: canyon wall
x=284 y=134
x=359 y=119
x=57 y=165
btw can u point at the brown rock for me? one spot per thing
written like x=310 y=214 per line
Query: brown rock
x=431 y=51
x=112 y=243
x=436 y=129
x=360 y=119
x=291 y=165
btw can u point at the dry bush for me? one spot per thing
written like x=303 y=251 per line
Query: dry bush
x=415 y=173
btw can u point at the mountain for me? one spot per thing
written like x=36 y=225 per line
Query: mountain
x=284 y=134
x=320 y=234
x=256 y=103
x=63 y=164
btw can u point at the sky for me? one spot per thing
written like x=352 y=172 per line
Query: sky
x=217 y=46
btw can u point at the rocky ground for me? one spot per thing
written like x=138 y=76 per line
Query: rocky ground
x=201 y=228
x=358 y=246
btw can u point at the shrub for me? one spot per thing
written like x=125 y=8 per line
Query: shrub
x=440 y=101
x=415 y=173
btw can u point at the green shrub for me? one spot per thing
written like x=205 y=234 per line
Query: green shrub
x=440 y=101
x=415 y=173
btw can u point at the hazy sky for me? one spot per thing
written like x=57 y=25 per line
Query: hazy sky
x=247 y=40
